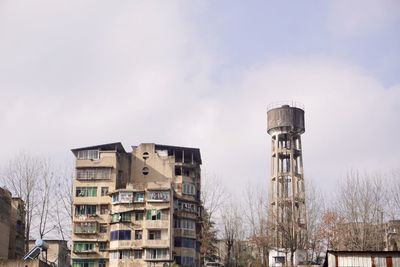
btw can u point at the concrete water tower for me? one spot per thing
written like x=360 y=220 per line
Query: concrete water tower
x=287 y=210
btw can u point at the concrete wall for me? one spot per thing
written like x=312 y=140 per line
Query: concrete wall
x=17 y=230
x=21 y=263
x=5 y=220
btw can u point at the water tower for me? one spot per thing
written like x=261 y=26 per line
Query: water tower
x=287 y=210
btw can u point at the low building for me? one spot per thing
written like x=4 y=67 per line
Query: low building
x=22 y=263
x=12 y=225
x=362 y=259
x=58 y=253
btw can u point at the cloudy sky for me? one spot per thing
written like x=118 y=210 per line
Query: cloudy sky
x=201 y=74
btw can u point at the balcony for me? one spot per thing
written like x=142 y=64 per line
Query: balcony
x=91 y=200
x=185 y=233
x=125 y=244
x=103 y=161
x=156 y=243
x=157 y=224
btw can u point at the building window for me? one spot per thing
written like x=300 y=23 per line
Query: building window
x=116 y=217
x=139 y=197
x=88 y=154
x=154 y=235
x=85 y=228
x=85 y=210
x=103 y=228
x=102 y=263
x=103 y=246
x=126 y=216
x=122 y=197
x=83 y=247
x=104 y=191
x=185 y=206
x=83 y=263
x=86 y=191
x=185 y=242
x=188 y=189
x=145 y=171
x=186 y=224
x=139 y=215
x=184 y=260
x=120 y=254
x=138 y=234
x=153 y=215
x=103 y=209
x=93 y=174
x=137 y=254
x=120 y=235
x=153 y=254
x=158 y=196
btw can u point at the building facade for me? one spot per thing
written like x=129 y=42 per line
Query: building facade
x=139 y=208
x=12 y=225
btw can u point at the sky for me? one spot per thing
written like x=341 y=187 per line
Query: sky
x=201 y=74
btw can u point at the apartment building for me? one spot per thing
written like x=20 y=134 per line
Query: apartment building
x=138 y=208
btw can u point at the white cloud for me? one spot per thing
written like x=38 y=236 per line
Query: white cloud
x=139 y=73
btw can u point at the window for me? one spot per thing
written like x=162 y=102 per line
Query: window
x=186 y=224
x=93 y=174
x=104 y=191
x=115 y=217
x=188 y=189
x=139 y=215
x=178 y=170
x=103 y=209
x=103 y=246
x=102 y=263
x=139 y=197
x=126 y=216
x=153 y=215
x=137 y=254
x=83 y=247
x=83 y=263
x=185 y=242
x=120 y=254
x=103 y=228
x=154 y=235
x=138 y=234
x=185 y=206
x=85 y=228
x=120 y=235
x=85 y=210
x=86 y=191
x=156 y=253
x=158 y=196
x=145 y=170
x=122 y=197
x=88 y=154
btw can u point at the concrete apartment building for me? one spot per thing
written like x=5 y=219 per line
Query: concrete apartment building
x=12 y=225
x=139 y=208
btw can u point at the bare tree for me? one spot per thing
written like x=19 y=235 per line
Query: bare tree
x=393 y=196
x=361 y=202
x=213 y=195
x=256 y=212
x=315 y=208
x=63 y=205
x=32 y=178
x=21 y=177
x=233 y=231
